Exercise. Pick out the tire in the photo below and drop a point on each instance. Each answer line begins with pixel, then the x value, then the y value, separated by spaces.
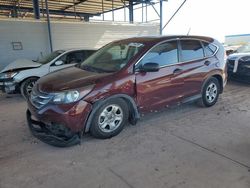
pixel 109 119
pixel 26 87
pixel 210 92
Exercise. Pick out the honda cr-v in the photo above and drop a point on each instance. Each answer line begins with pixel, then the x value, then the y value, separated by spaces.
pixel 122 80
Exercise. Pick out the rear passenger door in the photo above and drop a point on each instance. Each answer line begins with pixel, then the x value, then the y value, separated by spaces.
pixel 193 66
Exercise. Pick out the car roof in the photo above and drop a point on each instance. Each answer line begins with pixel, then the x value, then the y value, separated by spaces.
pixel 156 39
pixel 75 49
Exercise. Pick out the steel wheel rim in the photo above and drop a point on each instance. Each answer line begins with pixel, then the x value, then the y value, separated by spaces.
pixel 211 92
pixel 110 118
pixel 29 87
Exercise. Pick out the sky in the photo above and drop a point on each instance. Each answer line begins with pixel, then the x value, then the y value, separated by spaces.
pixel 215 18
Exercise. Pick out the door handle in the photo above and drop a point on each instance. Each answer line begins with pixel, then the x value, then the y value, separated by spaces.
pixel 177 71
pixel 207 63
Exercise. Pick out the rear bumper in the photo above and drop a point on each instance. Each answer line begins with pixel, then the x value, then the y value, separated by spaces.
pixel 40 131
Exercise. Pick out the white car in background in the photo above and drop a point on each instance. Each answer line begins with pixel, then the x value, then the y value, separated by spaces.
pixel 21 75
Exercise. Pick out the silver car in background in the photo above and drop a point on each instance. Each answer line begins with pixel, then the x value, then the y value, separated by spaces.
pixel 21 75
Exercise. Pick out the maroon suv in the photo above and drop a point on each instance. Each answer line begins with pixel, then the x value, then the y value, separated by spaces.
pixel 123 80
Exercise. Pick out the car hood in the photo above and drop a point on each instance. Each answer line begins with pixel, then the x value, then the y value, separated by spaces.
pixel 20 64
pixel 237 55
pixel 69 79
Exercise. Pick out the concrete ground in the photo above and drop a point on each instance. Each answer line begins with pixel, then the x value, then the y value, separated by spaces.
pixel 181 147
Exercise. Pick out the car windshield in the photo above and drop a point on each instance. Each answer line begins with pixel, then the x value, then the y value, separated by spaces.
pixel 50 57
pixel 112 57
pixel 244 49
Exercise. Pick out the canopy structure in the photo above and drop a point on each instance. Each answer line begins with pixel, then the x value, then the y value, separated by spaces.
pixel 83 9
pixel 62 8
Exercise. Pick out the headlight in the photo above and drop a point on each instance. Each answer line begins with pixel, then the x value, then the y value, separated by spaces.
pixel 66 97
pixel 8 75
pixel 71 96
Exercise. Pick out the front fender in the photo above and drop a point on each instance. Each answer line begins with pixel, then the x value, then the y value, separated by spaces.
pixel 134 113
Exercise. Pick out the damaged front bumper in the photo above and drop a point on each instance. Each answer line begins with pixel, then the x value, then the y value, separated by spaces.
pixel 8 86
pixel 240 71
pixel 61 138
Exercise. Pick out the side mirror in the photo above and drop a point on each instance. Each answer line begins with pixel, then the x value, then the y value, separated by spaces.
pixel 150 67
pixel 59 62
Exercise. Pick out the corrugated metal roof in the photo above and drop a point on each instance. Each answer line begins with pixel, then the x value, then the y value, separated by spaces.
pixel 61 7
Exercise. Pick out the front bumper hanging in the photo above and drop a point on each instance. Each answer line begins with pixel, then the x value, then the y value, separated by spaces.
pixel 9 87
pixel 41 132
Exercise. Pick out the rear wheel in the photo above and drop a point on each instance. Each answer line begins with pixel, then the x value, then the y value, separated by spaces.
pixel 210 92
pixel 109 119
pixel 26 87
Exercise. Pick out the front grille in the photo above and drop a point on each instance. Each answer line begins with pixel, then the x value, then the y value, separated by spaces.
pixel 6 79
pixel 39 99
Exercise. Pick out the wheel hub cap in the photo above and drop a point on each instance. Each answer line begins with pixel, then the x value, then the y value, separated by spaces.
pixel 110 118
pixel 211 92
pixel 29 87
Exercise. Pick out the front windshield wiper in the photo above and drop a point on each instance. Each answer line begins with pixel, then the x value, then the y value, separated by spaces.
pixel 89 68
pixel 94 69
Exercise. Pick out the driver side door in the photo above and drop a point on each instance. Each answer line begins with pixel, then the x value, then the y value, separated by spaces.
pixel 165 87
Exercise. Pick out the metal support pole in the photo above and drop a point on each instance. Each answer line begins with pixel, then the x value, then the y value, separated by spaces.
pixel 74 8
pixel 124 13
pixel 18 9
pixel 154 9
pixel 42 9
pixel 86 18
pixel 14 13
pixel 36 9
pixel 146 12
pixel 124 8
pixel 113 17
pixel 142 12
pixel 174 14
pixel 102 11
pixel 131 11
pixel 49 29
pixel 160 17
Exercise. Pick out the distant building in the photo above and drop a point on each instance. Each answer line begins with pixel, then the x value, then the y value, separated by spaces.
pixel 233 40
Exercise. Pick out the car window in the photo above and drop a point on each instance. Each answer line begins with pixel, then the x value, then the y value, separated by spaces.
pixel 112 57
pixel 118 52
pixel 163 54
pixel 72 57
pixel 77 57
pixel 50 57
pixel 209 48
pixel 88 53
pixel 191 50
pixel 62 58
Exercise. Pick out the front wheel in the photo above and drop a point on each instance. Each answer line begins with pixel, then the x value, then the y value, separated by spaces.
pixel 210 92
pixel 26 87
pixel 109 119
